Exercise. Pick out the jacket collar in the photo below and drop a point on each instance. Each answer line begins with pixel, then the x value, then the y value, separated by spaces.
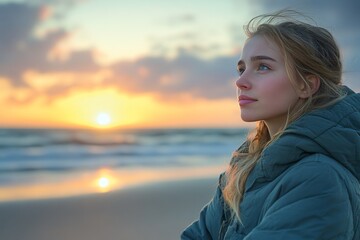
pixel 333 131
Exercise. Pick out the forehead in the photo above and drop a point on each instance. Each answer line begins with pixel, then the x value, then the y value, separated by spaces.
pixel 259 45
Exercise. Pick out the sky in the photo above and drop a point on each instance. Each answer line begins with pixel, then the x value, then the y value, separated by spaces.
pixel 137 63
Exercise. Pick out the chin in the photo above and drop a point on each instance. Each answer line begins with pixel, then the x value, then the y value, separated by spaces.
pixel 248 119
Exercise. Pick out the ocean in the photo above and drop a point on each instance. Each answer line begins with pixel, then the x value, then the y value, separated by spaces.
pixel 32 161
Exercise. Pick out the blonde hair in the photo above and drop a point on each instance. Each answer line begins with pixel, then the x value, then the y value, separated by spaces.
pixel 308 50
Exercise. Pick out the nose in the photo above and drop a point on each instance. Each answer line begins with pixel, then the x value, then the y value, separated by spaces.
pixel 242 83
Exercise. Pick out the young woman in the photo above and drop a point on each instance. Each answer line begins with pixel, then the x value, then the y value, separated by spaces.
pixel 297 176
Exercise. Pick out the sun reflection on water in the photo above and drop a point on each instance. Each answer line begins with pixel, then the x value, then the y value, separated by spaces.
pixel 100 181
pixel 105 180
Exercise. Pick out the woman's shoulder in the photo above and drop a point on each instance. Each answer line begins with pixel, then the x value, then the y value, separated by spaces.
pixel 319 170
pixel 321 162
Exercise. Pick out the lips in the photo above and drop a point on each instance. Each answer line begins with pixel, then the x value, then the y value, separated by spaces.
pixel 244 100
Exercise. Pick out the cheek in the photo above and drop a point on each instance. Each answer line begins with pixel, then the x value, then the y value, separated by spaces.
pixel 281 92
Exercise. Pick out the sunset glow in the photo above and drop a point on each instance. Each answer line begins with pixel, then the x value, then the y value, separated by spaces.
pixel 84 78
pixel 172 68
pixel 109 108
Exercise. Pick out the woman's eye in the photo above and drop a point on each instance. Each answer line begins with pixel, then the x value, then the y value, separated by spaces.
pixel 263 67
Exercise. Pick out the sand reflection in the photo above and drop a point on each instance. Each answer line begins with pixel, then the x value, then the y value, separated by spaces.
pixel 106 180
pixel 100 181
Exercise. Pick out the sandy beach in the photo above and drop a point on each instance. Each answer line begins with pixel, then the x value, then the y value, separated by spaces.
pixel 157 211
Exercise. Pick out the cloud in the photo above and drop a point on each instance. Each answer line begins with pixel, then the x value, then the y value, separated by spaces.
pixel 16 24
pixel 184 74
pixel 37 65
pixel 22 50
pixel 40 66
pixel 57 2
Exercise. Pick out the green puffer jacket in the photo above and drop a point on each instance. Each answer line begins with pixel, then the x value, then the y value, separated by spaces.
pixel 305 186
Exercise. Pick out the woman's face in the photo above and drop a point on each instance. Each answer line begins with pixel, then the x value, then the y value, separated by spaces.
pixel 264 89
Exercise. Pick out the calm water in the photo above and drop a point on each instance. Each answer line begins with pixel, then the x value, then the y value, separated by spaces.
pixel 31 156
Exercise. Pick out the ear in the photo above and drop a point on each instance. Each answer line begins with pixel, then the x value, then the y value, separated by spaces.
pixel 314 84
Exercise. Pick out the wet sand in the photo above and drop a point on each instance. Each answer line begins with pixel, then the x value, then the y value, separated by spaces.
pixel 157 211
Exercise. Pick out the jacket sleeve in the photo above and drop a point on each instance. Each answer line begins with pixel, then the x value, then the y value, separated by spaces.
pixel 312 203
pixel 207 227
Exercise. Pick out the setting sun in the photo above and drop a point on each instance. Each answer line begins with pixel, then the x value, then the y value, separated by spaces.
pixel 103 119
pixel 103 182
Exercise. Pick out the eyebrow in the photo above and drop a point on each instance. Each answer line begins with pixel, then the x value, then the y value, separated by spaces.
pixel 257 58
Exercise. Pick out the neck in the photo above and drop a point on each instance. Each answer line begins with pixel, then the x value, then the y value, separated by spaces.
pixel 275 126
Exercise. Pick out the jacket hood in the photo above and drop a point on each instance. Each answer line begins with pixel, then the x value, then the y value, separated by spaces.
pixel 333 131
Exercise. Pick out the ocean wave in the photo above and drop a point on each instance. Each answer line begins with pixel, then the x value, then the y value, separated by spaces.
pixel 42 138
pixel 45 138
pixel 35 169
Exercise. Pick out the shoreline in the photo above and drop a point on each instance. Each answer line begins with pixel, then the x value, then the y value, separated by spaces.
pixel 158 211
